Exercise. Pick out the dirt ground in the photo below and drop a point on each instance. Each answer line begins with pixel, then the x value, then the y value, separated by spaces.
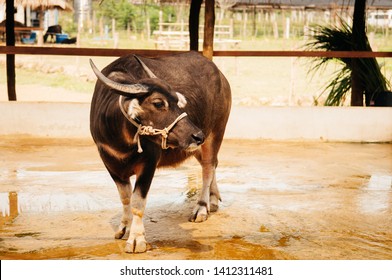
pixel 280 201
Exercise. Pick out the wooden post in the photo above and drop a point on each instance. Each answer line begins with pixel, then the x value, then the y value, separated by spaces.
pixel 160 21
pixel 275 27
pixel 194 14
pixel 254 25
pixel 287 28
pixel 113 27
pixel 209 25
pixel 101 33
pixel 231 28
pixel 148 26
pixel 28 16
pixel 182 27
pixel 116 38
pixel 10 34
pixel 245 23
pixel 358 42
pixel 93 23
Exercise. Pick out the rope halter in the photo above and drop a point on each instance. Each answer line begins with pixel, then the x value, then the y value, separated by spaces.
pixel 149 130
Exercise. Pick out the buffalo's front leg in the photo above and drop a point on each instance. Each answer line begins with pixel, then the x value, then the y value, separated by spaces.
pixel 125 192
pixel 136 242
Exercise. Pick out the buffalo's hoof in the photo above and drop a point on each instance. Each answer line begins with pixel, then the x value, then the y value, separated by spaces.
pixel 136 245
pixel 200 214
pixel 214 203
pixel 120 233
pixel 214 207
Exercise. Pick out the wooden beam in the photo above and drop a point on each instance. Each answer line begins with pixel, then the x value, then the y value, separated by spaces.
pixel 91 52
pixel 331 54
pixel 83 51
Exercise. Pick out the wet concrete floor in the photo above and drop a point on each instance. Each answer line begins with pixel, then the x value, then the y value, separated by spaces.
pixel 280 201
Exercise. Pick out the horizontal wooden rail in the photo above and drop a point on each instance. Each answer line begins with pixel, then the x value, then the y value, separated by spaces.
pixel 80 51
pixel 337 54
pixel 152 53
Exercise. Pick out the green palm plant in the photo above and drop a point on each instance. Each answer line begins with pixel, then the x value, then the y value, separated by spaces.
pixel 333 38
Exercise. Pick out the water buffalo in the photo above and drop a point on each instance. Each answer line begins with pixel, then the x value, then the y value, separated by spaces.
pixel 156 112
pixel 52 31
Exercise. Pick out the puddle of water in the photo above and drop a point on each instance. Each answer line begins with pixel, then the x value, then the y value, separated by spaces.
pixel 380 182
pixel 53 202
pixel 37 193
pixel 4 204
pixel 376 197
pixel 170 187
pixel 238 248
pixel 59 202
pixel 61 179
pixel 56 191
pixel 257 180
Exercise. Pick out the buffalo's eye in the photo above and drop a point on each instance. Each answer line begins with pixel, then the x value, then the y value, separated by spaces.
pixel 159 104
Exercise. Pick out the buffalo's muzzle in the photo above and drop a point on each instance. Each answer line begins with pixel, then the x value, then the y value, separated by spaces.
pixel 198 137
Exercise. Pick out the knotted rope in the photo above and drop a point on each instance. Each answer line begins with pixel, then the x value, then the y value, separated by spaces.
pixel 149 130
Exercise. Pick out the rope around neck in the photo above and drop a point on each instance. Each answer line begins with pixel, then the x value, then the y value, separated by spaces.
pixel 149 130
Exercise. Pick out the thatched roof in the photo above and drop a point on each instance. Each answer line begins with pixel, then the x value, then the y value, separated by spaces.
pixel 43 4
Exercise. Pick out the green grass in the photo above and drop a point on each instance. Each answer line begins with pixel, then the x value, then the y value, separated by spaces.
pixel 60 80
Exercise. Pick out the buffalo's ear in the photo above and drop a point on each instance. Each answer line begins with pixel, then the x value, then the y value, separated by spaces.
pixel 148 70
pixel 134 109
pixel 131 90
pixel 181 100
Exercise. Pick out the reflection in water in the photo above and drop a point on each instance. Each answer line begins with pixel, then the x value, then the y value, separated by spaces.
pixel 38 193
pixel 9 207
pixel 9 204
pixel 194 183
pixel 14 203
pixel 174 185
pixel 13 199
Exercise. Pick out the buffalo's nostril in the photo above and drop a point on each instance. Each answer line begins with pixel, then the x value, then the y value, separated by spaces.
pixel 198 137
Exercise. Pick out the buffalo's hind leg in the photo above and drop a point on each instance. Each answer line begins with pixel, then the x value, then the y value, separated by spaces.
pixel 210 197
pixel 214 195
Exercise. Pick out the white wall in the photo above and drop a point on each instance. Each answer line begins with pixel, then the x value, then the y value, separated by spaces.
pixel 347 124
pixel 351 124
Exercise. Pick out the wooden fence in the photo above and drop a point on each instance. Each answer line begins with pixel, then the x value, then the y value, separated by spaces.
pixel 152 53
pixel 18 50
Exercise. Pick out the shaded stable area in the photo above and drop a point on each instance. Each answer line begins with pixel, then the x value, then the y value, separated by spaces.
pixel 281 200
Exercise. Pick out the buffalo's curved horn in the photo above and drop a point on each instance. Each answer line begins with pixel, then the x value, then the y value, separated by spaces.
pixel 126 88
pixel 148 70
